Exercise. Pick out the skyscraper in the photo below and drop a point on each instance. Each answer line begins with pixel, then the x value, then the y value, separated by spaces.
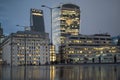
pixel 1 39
pixel 66 21
pixel 37 20
pixel 1 34
pixel 1 30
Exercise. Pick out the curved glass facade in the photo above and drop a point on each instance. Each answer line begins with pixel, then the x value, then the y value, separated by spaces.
pixel 66 21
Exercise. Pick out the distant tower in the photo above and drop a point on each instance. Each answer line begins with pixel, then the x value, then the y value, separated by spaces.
pixel 1 30
pixel 1 38
pixel 1 34
pixel 66 21
pixel 118 42
pixel 37 20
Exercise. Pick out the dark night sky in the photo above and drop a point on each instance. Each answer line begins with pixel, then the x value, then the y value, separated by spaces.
pixel 97 16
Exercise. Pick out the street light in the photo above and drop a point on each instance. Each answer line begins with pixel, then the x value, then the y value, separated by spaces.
pixel 25 28
pixel 51 17
pixel 51 43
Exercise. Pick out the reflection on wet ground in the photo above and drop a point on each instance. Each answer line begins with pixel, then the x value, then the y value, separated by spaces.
pixel 61 72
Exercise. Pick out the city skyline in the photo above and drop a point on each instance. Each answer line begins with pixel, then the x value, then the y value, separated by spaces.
pixel 96 16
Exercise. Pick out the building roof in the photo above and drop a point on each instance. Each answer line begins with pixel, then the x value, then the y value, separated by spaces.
pixel 70 6
pixel 28 34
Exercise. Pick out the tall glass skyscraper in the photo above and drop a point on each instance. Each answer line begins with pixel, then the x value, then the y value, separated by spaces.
pixel 37 20
pixel 1 30
pixel 66 21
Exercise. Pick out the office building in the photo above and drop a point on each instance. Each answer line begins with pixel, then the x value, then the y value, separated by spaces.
pixel 1 30
pixel 52 54
pixel 37 20
pixel 27 47
pixel 90 49
pixel 1 34
pixel 116 40
pixel 1 39
pixel 66 21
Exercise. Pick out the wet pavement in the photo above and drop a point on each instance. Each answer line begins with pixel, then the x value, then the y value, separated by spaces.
pixel 61 72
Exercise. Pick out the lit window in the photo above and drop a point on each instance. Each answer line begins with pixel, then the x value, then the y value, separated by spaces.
pixel 80 51
pixel 101 52
pixel 37 14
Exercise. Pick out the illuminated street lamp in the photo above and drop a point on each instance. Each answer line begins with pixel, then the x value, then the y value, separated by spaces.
pixel 25 28
pixel 52 48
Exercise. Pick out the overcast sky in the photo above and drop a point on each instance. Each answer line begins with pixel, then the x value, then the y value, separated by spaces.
pixel 97 16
